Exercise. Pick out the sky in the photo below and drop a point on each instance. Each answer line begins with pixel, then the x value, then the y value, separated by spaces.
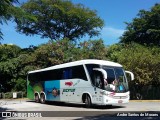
pixel 113 12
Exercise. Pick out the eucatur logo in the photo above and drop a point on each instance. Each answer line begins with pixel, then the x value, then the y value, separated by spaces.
pixel 69 83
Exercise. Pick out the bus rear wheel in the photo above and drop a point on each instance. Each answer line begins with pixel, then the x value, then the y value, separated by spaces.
pixel 36 98
pixel 42 99
pixel 88 101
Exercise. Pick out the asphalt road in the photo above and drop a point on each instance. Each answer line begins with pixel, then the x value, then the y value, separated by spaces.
pixel 56 110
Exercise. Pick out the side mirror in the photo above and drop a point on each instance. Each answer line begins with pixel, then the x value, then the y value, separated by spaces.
pixel 102 71
pixel 131 74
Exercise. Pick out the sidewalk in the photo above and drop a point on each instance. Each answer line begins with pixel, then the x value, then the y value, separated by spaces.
pixel 12 101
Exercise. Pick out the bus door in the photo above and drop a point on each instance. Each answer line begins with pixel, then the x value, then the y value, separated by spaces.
pixel 98 79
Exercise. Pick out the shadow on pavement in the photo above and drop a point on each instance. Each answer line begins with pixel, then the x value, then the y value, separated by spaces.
pixel 63 104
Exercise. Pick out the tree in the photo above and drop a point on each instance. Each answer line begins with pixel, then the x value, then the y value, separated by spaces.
pixel 92 49
pixel 14 65
pixel 59 19
pixel 143 61
pixel 9 10
pixel 8 64
pixel 8 52
pixel 145 28
pixel 62 51
pixel 5 11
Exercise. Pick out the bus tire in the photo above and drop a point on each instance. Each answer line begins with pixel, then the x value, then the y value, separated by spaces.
pixel 88 102
pixel 36 98
pixel 42 98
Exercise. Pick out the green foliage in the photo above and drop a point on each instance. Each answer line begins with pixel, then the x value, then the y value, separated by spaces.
pixel 9 51
pixel 59 19
pixel 144 62
pixel 92 49
pixel 64 50
pixel 5 12
pixel 5 5
pixel 13 65
pixel 20 85
pixel 145 28
pixel 113 51
pixel 10 11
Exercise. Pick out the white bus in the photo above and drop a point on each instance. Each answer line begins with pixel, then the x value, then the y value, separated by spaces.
pixel 85 81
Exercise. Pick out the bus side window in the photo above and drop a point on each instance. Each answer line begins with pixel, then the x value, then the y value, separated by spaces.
pixel 52 74
pixel 90 71
pixel 35 77
pixel 67 73
pixel 78 72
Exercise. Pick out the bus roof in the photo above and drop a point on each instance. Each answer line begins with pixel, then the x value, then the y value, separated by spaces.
pixel 80 62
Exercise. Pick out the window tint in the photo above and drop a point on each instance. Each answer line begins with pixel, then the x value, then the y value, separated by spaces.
pixel 74 72
pixel 53 74
pixel 90 70
pixel 78 72
pixel 58 74
pixel 67 73
pixel 90 67
pixel 120 75
pixel 110 75
pixel 35 76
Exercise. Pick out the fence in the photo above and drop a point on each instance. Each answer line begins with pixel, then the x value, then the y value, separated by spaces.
pixel 151 92
pixel 12 95
pixel 147 92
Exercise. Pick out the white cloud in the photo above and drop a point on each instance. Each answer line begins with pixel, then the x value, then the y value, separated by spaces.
pixel 111 35
pixel 112 32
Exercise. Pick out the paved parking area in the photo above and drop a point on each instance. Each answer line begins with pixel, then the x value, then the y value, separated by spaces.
pixel 57 110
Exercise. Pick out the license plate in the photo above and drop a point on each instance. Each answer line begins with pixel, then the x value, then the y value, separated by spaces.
pixel 120 101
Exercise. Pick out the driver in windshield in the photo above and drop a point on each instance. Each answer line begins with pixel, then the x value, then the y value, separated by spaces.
pixel 109 86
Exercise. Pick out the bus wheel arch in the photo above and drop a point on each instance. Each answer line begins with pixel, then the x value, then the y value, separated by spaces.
pixel 86 98
pixel 42 98
pixel 37 97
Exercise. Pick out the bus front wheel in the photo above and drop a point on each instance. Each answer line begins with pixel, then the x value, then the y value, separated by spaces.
pixel 42 99
pixel 88 101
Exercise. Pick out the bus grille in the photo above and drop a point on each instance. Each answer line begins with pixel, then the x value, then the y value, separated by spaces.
pixel 119 97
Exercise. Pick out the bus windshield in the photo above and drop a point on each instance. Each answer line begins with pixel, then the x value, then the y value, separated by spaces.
pixel 116 80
